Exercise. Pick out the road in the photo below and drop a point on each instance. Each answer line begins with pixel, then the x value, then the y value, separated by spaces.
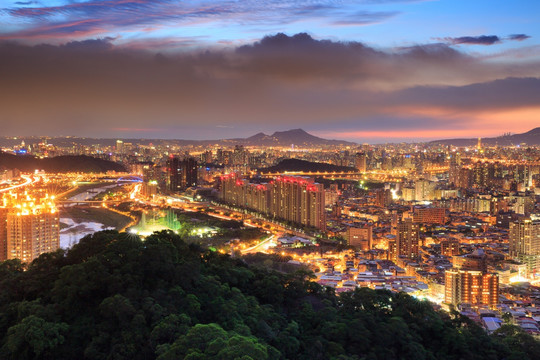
pixel 28 180
pixel 259 247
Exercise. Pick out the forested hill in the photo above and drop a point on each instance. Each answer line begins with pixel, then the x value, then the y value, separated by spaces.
pixel 59 164
pixel 113 296
pixel 305 166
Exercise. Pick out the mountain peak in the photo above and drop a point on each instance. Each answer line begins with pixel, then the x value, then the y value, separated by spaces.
pixel 297 137
pixel 295 132
pixel 259 135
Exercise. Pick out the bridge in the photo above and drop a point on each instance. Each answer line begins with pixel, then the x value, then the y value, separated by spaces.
pixel 88 202
pixel 369 175
pixel 507 162
pixel 130 179
pixel 356 175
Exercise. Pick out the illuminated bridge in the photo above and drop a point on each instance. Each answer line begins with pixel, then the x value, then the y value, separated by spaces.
pixel 357 175
pixel 129 179
pixel 88 202
pixel 369 175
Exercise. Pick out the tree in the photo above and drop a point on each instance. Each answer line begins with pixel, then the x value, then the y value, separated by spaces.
pixel 33 338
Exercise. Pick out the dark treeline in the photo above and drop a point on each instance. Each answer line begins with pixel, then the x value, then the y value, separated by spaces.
pixel 59 164
pixel 306 166
pixel 113 296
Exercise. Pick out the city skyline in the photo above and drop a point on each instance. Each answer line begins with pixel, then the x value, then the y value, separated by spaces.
pixel 270 179
pixel 362 71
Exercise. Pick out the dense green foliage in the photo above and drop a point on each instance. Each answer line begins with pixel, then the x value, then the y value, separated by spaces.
pixel 113 296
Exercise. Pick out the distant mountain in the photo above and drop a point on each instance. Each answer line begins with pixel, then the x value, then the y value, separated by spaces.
pixel 531 137
pixel 306 166
pixel 298 137
pixel 59 164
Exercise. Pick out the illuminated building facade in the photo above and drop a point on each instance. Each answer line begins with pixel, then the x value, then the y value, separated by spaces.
pixel 427 215
pixel 408 234
pixel 525 243
pixel 361 162
pixel 383 197
pixel 450 247
pixel 31 228
pixel 296 199
pixel 471 287
pixel 470 283
pixel 3 233
pixel 424 190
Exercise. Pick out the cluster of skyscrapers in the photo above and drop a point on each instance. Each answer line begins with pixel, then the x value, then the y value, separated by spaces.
pixel 296 199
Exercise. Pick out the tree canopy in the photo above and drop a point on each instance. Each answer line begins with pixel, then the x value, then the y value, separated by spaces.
pixel 114 296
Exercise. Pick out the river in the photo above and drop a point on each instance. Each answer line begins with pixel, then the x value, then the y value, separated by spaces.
pixel 76 229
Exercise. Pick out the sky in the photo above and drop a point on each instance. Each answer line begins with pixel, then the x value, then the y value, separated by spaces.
pixel 365 71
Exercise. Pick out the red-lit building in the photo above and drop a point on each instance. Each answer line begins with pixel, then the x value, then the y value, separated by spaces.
pixel 290 198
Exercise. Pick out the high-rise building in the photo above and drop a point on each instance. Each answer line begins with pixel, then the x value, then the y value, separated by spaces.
pixel 424 190
pixel 525 243
pixel 296 199
pixel 471 287
pixel 408 235
pixel 469 281
pixel 299 200
pixel 182 174
pixel 361 162
pixel 455 166
pixel 523 204
pixel 119 146
pixel 3 233
pixel 408 193
pixel 383 197
pixel 28 228
pixel 465 178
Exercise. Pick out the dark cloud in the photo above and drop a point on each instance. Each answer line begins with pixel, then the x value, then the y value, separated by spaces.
pixel 93 87
pixel 473 40
pixel 482 40
pixel 497 94
pixel 518 37
pixel 365 18
pixel 301 57
pixel 90 45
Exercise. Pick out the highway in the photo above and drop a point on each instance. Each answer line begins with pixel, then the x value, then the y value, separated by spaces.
pixel 28 180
